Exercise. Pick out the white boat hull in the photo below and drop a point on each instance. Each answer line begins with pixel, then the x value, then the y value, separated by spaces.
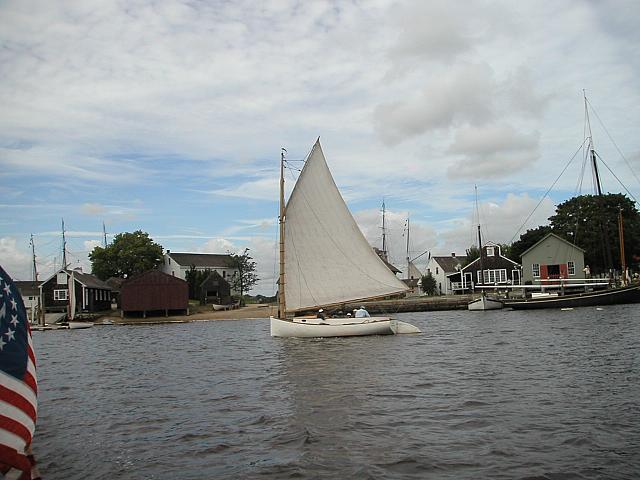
pixel 484 303
pixel 339 327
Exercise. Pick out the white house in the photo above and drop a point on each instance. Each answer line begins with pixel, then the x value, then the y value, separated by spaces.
pixel 178 264
pixel 440 267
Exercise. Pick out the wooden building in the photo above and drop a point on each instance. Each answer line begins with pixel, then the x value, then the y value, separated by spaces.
pixel 440 267
pixel 91 293
pixel 215 289
pixel 552 258
pixel 497 270
pixel 154 292
pixel 30 291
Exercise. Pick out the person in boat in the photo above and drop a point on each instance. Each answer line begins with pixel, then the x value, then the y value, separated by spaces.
pixel 362 312
pixel 321 314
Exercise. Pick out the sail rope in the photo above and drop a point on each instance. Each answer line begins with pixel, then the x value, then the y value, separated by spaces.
pixel 616 177
pixel 614 143
pixel 548 190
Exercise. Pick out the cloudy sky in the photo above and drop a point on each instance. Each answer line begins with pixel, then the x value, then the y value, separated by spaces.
pixel 169 116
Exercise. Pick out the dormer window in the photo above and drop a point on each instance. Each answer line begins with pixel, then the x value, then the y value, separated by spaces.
pixel 490 252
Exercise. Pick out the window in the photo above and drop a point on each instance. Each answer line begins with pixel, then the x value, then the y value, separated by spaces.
pixel 437 272
pixel 493 276
pixel 60 295
pixel 535 269
pixel 224 274
pixel 571 268
pixel 489 251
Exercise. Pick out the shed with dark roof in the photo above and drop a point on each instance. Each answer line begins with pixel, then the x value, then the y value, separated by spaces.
pixel 154 292
pixel 91 293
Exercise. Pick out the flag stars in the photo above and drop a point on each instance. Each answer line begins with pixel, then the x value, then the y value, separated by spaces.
pixel 2 344
pixel 14 304
pixel 7 289
pixel 10 334
pixel 14 320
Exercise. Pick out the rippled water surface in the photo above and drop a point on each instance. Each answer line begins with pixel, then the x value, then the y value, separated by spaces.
pixel 552 394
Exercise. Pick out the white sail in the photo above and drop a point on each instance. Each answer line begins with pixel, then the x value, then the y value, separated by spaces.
pixel 328 261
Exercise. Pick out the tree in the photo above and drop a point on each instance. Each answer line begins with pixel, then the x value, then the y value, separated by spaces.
pixel 128 254
pixel 590 222
pixel 194 279
pixel 246 278
pixel 429 284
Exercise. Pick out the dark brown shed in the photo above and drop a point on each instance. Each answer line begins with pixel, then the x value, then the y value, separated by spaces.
pixel 154 291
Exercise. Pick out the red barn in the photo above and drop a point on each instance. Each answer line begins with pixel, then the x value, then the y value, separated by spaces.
pixel 156 293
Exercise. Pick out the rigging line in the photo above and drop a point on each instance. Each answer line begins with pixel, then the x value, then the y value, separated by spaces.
pixel 547 192
pixel 613 141
pixel 614 176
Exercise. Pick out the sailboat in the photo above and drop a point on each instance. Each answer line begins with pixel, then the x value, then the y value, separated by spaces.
pixel 628 292
pixel 484 302
pixel 326 262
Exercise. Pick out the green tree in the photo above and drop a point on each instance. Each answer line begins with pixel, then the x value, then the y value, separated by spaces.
pixel 194 279
pixel 246 278
pixel 128 254
pixel 429 284
pixel 526 241
pixel 591 222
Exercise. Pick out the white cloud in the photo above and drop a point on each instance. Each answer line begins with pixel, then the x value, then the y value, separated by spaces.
pixel 492 151
pixel 16 261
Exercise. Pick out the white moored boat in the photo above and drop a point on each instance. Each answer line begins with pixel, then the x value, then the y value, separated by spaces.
pixel 325 261
pixel 485 303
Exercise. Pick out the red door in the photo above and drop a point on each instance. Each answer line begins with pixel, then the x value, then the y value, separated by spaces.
pixel 564 271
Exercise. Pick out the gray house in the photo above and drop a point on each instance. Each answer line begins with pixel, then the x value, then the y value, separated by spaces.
pixel 552 258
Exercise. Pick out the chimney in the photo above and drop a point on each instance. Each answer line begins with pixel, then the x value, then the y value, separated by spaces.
pixel 453 254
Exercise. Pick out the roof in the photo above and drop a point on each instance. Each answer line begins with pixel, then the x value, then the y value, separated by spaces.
pixel 151 277
pixel 89 280
pixel 211 260
pixel 382 256
pixel 86 279
pixel 411 282
pixel 547 236
pixel 449 263
pixel 28 288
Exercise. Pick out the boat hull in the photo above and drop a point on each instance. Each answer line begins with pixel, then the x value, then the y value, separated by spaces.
pixel 339 327
pixel 616 296
pixel 484 303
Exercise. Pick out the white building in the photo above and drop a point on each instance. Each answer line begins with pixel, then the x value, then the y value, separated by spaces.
pixel 178 264
pixel 440 267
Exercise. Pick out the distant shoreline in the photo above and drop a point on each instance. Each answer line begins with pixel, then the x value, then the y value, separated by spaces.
pixel 250 312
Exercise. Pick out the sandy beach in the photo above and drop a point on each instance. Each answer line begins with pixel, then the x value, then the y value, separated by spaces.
pixel 253 311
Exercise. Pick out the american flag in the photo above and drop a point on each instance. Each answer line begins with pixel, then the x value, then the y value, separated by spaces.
pixel 18 385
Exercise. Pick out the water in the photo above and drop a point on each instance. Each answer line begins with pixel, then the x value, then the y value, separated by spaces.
pixel 514 395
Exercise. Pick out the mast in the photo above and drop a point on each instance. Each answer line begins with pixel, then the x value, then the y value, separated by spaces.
pixel 480 241
pixel 384 235
pixel 604 238
pixel 64 248
pixel 408 258
pixel 104 234
pixel 34 273
pixel 623 261
pixel 282 304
